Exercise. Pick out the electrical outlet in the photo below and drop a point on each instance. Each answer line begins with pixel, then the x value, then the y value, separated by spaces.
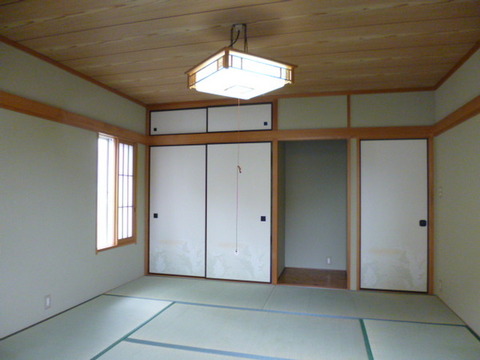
pixel 329 260
pixel 47 302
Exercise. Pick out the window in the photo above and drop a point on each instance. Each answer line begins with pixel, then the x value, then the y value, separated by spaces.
pixel 115 192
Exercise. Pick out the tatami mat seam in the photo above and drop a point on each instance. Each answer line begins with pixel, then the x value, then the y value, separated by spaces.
pixel 131 332
pixel 272 290
pixel 289 312
pixel 203 350
pixel 473 332
pixel 368 348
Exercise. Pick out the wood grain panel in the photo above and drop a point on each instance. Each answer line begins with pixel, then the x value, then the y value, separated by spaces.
pixel 142 48
pixel 151 78
pixel 156 59
pixel 52 17
pixel 143 36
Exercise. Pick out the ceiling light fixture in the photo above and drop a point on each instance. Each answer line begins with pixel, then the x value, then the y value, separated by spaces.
pixel 237 74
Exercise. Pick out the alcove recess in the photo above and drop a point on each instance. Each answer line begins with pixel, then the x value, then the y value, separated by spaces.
pixel 312 239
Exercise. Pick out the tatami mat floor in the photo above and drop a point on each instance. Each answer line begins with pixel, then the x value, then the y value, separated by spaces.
pixel 176 318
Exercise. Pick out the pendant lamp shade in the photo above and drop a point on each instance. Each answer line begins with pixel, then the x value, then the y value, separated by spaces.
pixel 240 75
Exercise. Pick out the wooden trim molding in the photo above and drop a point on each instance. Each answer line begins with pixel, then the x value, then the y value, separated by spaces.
pixel 431 216
pixel 272 98
pixel 48 112
pixel 206 103
pixel 460 115
pixel 275 115
pixel 294 135
pixel 274 213
pixel 394 132
pixel 457 66
pixel 66 68
pixel 147 213
pixel 359 217
pixel 349 214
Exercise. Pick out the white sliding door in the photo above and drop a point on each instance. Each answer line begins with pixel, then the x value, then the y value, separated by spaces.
pixel 239 211
pixel 177 210
pixel 394 210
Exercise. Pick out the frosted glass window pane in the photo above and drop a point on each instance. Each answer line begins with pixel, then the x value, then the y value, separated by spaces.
pixel 115 187
pixel 105 192
pixel 125 191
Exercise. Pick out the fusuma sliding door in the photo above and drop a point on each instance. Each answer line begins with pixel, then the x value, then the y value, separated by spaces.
pixel 210 211
pixel 394 213
pixel 239 211
pixel 177 210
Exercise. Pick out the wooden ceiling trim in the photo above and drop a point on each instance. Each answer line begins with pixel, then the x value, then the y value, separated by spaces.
pixel 462 61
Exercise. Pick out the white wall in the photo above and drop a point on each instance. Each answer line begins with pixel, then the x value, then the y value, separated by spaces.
pixel 460 88
pixel 316 204
pixel 48 196
pixel 457 198
pixel 25 75
pixel 312 112
pixel 393 109
pixel 457 220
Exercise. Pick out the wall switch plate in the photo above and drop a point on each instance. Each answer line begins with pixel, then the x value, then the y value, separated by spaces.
pixel 48 302
pixel 329 260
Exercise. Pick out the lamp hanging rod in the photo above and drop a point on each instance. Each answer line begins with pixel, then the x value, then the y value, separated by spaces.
pixel 235 32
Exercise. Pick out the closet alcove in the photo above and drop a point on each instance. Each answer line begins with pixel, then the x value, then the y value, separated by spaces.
pixel 312 241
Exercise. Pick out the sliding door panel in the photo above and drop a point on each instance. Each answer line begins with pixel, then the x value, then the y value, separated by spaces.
pixel 177 210
pixel 239 211
pixel 394 210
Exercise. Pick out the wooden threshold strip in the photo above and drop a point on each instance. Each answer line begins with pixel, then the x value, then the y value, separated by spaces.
pixel 48 112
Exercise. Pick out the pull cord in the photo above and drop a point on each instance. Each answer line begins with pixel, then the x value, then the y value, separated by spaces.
pixel 238 172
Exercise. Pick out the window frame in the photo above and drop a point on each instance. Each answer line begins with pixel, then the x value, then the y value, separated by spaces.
pixel 117 141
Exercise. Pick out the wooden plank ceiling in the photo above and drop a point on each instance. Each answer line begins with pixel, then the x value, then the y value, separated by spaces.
pixel 142 48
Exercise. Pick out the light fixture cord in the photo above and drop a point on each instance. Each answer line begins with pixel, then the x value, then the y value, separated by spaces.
pixel 235 32
pixel 245 38
pixel 238 171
